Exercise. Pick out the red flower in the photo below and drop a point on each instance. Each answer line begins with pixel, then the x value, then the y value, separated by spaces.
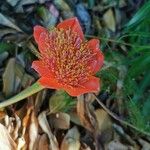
pixel 67 61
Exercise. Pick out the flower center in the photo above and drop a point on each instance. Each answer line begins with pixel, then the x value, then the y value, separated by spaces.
pixel 67 57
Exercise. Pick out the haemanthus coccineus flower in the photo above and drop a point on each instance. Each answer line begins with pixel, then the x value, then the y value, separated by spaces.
pixel 66 60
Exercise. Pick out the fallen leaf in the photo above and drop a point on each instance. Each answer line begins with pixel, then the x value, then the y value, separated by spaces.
pixel 109 20
pixel 17 127
pixel 145 144
pixel 2 115
pixel 20 143
pixel 23 76
pixel 40 96
pixel 5 21
pixel 104 131
pixel 60 120
pixel 6 142
pixel 9 78
pixel 33 131
pixel 74 117
pixel 103 119
pixel 116 145
pixel 46 128
pixel 3 56
pixel 72 140
pixel 84 17
pixel 64 8
pixel 85 113
pixel 48 19
pixel 43 142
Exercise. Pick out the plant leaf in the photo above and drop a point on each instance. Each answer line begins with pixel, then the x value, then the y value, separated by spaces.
pixel 143 13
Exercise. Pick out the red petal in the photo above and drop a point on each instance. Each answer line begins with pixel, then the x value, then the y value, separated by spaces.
pixel 43 41
pixel 37 32
pixel 49 83
pixel 73 24
pixel 42 69
pixel 99 59
pixel 90 86
pixel 94 45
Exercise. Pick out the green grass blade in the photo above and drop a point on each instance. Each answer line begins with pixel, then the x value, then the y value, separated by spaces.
pixel 142 14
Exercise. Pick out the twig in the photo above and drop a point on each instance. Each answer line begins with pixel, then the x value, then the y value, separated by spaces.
pixel 115 41
pixel 118 119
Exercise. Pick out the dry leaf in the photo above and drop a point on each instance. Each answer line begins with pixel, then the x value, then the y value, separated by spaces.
pixel 5 21
pixel 17 127
pixel 64 8
pixel 9 78
pixel 104 121
pixel 39 100
pixel 6 142
pixel 72 140
pixel 85 113
pixel 74 117
pixel 85 147
pixel 20 143
pixel 33 131
pixel 46 128
pixel 145 144
pixel 9 123
pixel 2 115
pixel 25 133
pixel 43 143
pixel 116 145
pixel 26 120
pixel 60 120
pixel 109 20
pixel 104 131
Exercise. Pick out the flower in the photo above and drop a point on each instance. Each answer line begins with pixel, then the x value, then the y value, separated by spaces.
pixel 66 60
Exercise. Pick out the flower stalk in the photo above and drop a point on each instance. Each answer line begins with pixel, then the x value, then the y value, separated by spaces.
pixel 36 87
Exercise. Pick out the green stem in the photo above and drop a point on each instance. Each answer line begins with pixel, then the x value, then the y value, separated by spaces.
pixel 115 41
pixel 36 87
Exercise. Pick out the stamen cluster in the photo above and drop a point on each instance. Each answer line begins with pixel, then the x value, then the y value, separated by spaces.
pixel 67 57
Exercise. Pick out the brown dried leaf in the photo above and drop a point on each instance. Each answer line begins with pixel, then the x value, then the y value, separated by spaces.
pixel 109 20
pixel 60 120
pixel 72 140
pixel 104 131
pixel 9 123
pixel 74 118
pixel 46 128
pixel 39 100
pixel 33 131
pixel 43 142
pixel 26 119
pixel 6 142
pixel 85 147
pixel 17 127
pixel 2 114
pixel 85 113
pixel 21 143
pixel 24 140
pixel 104 121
